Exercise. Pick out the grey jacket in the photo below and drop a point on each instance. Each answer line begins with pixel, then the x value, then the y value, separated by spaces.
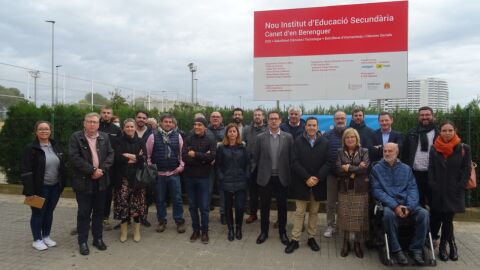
pixel 81 161
pixel 263 159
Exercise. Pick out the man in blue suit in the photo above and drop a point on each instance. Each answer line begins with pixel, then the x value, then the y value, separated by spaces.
pixel 385 134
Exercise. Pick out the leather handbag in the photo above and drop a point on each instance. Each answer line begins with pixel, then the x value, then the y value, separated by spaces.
pixel 472 181
pixel 146 175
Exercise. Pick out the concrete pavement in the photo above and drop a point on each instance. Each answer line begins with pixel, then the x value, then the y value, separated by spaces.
pixel 170 250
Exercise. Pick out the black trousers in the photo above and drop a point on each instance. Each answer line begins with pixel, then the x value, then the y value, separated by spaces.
pixel 236 199
pixel 445 221
pixel 90 208
pixel 275 188
pixel 422 183
pixel 108 201
pixel 253 194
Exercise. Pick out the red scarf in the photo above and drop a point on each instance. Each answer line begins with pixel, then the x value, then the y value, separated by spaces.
pixel 446 148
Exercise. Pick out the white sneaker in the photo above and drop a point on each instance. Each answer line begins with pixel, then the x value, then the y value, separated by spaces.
pixel 49 242
pixel 329 232
pixel 39 245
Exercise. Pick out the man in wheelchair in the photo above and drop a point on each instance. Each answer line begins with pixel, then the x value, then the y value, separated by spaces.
pixel 394 186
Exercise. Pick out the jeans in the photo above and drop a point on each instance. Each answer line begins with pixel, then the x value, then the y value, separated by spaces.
pixel 238 198
pixel 213 180
pixel 391 220
pixel 41 220
pixel 198 201
pixel 90 207
pixel 332 199
pixel 173 185
pixel 280 192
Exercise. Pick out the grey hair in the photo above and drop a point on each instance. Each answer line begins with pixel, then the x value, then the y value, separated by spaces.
pixel 92 114
pixel 129 120
pixel 295 109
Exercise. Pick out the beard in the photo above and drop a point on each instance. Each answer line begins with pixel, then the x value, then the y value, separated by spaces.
pixel 237 120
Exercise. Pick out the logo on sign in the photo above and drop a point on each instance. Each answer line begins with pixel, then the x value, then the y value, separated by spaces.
pixel 386 85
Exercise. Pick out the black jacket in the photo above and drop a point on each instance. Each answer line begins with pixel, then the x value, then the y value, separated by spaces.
pixel 376 153
pixel 114 132
pixel 33 168
pixel 201 164
pixel 121 167
pixel 310 161
pixel 81 161
pixel 410 144
pixel 447 179
pixel 232 167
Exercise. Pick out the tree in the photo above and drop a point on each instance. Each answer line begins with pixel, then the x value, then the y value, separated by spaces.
pixel 9 96
pixel 98 100
pixel 117 101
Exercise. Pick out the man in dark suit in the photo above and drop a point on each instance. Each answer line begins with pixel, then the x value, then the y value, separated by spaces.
pixel 272 158
pixel 384 135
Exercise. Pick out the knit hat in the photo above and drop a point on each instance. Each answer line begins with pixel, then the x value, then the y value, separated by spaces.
pixel 201 120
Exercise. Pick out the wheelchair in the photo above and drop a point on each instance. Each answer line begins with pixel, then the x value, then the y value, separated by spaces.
pixel 406 231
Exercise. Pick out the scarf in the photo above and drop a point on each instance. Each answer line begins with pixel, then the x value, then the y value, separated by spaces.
pixel 166 141
pixel 446 148
pixel 422 132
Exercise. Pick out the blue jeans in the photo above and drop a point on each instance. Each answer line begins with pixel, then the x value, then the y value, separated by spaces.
pixel 173 185
pixel 213 179
pixel 41 220
pixel 198 200
pixel 390 221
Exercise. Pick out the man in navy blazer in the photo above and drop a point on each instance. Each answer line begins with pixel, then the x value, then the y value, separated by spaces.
pixel 385 134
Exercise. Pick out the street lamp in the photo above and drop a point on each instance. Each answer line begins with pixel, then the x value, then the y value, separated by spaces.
pixel 56 83
pixel 193 69
pixel 53 56
pixel 196 90
pixel 35 74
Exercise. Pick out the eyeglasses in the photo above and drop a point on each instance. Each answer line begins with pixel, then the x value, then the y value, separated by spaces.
pixel 92 122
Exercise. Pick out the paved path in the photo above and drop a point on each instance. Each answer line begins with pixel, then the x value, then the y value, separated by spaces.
pixel 169 250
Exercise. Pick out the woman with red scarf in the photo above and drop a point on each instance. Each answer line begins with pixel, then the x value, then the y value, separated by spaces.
pixel 448 172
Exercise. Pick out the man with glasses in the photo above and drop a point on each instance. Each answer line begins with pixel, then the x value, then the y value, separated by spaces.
pixel 91 155
pixel 334 137
pixel 272 159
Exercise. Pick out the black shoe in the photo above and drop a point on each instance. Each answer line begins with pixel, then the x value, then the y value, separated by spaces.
pixel 262 237
pixel 238 232
pixel 83 248
pixel 284 239
pixel 453 250
pixel 231 233
pixel 400 258
pixel 442 251
pixel 291 247
pixel 99 244
pixel 144 222
pixel 313 244
pixel 223 220
pixel 418 259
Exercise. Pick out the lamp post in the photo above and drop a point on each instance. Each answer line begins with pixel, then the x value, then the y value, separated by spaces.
pixel 53 56
pixel 56 83
pixel 35 74
pixel 196 90
pixel 193 69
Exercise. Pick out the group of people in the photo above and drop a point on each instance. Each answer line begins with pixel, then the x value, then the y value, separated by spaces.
pixel 349 167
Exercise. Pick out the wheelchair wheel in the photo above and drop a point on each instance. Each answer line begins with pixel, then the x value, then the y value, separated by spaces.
pixel 383 254
pixel 427 255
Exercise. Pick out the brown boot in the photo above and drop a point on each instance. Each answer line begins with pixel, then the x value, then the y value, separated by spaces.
pixel 123 232
pixel 136 232
pixel 345 248
pixel 358 249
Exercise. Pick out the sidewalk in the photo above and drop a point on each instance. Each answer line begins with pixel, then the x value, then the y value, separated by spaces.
pixel 170 250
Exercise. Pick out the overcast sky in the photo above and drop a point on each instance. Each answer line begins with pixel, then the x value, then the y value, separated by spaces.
pixel 147 44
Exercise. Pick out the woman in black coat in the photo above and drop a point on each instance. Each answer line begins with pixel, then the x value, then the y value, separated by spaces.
pixel 232 171
pixel 44 175
pixel 309 184
pixel 448 172
pixel 129 197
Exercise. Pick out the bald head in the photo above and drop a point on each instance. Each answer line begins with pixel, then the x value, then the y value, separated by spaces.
pixel 390 152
